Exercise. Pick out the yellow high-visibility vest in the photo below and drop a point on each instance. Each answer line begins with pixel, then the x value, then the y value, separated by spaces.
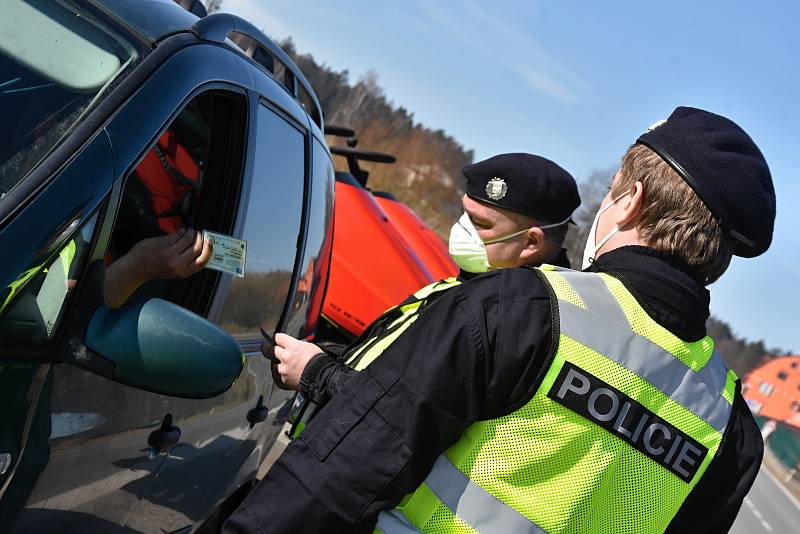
pixel 623 425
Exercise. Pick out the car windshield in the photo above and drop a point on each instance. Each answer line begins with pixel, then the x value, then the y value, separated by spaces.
pixel 54 61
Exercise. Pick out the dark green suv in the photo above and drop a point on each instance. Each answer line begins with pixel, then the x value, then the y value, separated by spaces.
pixel 127 128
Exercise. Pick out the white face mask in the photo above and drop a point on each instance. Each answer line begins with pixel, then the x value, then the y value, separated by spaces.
pixel 591 248
pixel 467 248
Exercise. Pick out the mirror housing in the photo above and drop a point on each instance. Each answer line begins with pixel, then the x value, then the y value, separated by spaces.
pixel 158 346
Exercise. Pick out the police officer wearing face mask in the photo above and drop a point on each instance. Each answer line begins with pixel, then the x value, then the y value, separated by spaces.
pixel 550 400
pixel 516 211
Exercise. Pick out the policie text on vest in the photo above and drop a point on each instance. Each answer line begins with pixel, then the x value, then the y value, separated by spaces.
pixel 608 407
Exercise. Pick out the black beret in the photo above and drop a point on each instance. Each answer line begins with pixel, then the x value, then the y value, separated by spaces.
pixel 725 168
pixel 524 183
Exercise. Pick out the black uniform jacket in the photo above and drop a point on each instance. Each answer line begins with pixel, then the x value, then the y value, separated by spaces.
pixel 478 352
pixel 327 373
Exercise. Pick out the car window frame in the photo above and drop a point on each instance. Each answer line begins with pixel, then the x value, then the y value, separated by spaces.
pixel 121 178
pixel 68 345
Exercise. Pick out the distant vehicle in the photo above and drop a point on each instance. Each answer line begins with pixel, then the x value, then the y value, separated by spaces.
pixel 121 123
pixel 384 251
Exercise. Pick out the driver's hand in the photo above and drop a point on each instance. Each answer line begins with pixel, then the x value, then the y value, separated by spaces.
pixel 292 356
pixel 173 256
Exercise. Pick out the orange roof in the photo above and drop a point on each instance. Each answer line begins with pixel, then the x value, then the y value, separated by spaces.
pixel 773 390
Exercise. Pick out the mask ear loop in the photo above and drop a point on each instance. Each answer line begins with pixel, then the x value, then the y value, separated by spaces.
pixel 543 227
pixel 546 226
pixel 509 236
pixel 613 232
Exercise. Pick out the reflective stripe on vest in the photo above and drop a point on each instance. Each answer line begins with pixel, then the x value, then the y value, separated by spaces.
pixel 474 505
pixel 365 352
pixel 395 522
pixel 623 425
pixel 480 509
pixel 696 389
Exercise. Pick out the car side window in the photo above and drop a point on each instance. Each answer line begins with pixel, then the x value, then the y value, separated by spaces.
pixel 272 228
pixel 188 181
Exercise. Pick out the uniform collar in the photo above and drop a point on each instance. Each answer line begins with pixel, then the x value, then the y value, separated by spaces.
pixel 669 290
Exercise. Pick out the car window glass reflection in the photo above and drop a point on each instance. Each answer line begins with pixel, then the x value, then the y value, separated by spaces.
pixel 307 299
pixel 31 307
pixel 272 227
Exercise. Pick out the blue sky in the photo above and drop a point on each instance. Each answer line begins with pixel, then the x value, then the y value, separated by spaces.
pixel 577 82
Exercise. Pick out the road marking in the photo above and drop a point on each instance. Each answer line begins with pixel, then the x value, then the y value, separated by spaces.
pixel 781 487
pixel 758 515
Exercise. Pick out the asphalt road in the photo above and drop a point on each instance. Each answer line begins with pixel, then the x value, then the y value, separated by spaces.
pixel 768 508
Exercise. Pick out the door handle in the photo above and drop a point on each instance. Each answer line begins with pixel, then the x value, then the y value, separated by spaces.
pixel 258 414
pixel 166 436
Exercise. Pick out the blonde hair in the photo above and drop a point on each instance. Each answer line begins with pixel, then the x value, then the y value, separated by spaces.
pixel 674 220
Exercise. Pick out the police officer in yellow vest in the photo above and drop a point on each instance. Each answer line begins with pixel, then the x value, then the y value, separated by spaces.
pixel 549 400
pixel 516 211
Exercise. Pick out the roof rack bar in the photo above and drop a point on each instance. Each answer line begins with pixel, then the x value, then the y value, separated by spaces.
pixel 218 26
pixel 339 131
pixel 363 155
pixel 353 156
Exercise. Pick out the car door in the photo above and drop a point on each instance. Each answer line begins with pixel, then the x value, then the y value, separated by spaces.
pixel 191 177
pixel 224 439
pixel 222 442
pixel 286 221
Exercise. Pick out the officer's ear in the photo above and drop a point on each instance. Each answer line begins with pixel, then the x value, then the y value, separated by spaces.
pixel 631 207
pixel 536 240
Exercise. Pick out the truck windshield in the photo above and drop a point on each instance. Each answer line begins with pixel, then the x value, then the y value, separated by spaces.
pixel 54 62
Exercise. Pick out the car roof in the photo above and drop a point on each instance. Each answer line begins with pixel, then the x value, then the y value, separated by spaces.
pixel 151 19
pixel 155 20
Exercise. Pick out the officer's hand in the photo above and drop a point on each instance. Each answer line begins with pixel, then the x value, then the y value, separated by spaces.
pixel 173 256
pixel 293 356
